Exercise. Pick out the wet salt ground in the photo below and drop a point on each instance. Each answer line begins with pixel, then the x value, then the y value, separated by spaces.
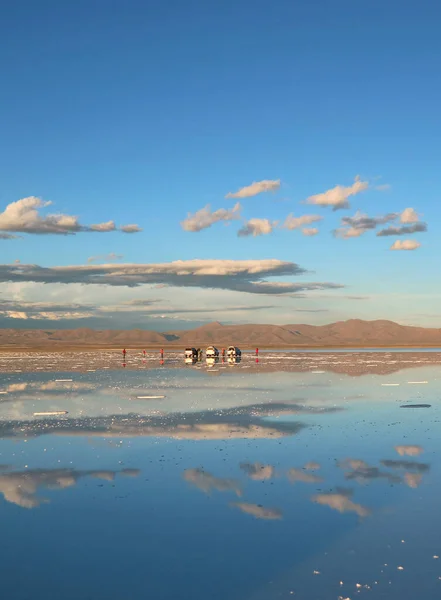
pixel 346 362
pixel 243 485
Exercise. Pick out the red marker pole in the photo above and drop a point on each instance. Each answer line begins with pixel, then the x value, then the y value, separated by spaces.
pixel 257 351
pixel 162 353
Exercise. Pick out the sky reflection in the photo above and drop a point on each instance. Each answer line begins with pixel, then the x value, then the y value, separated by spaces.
pixel 264 483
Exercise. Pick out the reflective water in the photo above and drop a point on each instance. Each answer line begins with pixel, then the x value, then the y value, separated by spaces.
pixel 238 483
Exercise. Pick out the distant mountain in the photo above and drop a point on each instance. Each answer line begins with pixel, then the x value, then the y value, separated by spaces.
pixel 354 332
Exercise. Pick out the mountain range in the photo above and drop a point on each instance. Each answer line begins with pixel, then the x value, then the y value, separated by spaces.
pixel 351 333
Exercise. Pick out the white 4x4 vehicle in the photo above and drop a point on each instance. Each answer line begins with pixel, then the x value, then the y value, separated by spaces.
pixel 211 352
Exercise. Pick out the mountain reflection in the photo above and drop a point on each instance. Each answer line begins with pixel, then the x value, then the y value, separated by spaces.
pixel 238 422
pixel 21 487
pixel 207 482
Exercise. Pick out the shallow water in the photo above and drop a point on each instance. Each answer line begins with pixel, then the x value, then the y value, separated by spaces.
pixel 239 483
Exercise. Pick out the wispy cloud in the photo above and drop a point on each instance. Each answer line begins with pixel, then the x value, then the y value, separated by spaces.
pixel 403 230
pixel 310 231
pixel 338 196
pixel 130 228
pixel 405 245
pixel 204 218
pixel 257 187
pixel 8 236
pixel 237 275
pixel 111 257
pixel 292 222
pixel 256 227
pixel 360 223
pixel 23 216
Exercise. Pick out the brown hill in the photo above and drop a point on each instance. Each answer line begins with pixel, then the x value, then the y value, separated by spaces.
pixel 354 332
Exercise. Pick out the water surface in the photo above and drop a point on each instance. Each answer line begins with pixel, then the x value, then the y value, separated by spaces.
pixel 239 483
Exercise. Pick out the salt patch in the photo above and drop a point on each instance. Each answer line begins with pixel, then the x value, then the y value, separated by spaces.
pixel 50 413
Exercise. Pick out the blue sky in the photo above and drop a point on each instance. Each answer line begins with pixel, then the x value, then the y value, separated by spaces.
pixel 143 112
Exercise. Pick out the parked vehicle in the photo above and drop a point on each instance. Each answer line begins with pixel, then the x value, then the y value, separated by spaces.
pixel 211 352
pixel 191 353
pixel 234 351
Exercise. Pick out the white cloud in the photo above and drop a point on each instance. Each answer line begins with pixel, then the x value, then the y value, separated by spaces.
pixel 257 187
pixel 109 226
pixel 256 227
pixel 409 215
pixel 105 257
pixel 292 222
pixel 310 231
pixel 405 245
pixel 23 216
pixel 204 218
pixel 337 197
pixel 130 228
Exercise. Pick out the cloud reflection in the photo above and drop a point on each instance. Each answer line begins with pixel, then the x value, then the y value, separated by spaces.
pixel 295 475
pixel 341 501
pixel 361 472
pixel 238 422
pixel 409 450
pixel 21 487
pixel 406 464
pixel 257 471
pixel 258 511
pixel 206 482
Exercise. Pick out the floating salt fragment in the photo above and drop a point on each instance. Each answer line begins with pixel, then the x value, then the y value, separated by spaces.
pixel 435 556
pixel 50 413
pixel 1 392
pixel 400 568
pixel 318 372
pixel 149 397
pixel 316 572
pixel 389 384
pixel 61 380
pixel 414 382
